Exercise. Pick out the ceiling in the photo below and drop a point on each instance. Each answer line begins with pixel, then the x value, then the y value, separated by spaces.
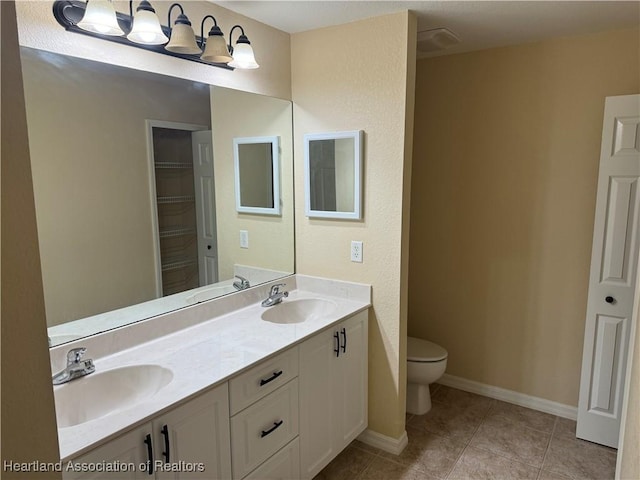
pixel 478 24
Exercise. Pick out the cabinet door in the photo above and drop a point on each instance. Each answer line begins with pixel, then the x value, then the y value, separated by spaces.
pixel 195 433
pixel 316 406
pixel 333 392
pixel 351 381
pixel 127 452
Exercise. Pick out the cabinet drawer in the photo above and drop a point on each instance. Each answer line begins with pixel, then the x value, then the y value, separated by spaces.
pixel 284 465
pixel 263 379
pixel 262 429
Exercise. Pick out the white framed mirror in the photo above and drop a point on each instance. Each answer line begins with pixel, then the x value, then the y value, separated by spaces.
pixel 257 174
pixel 333 175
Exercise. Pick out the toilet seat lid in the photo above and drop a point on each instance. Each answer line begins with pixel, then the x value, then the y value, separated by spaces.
pixel 419 350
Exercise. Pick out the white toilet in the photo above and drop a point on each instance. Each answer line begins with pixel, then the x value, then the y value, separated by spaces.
pixel 426 363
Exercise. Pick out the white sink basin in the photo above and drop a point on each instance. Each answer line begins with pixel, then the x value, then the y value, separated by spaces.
pixel 101 393
pixel 297 311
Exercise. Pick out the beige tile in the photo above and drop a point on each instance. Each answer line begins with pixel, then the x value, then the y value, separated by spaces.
pixel 565 428
pixel 546 475
pixel 522 416
pixel 479 464
pixel 580 460
pixel 381 469
pixel 458 419
pixel 366 448
pixel 453 396
pixel 503 437
pixel 434 454
pixel 346 466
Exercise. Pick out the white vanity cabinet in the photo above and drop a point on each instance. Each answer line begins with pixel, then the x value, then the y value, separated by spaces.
pixel 194 433
pixel 333 392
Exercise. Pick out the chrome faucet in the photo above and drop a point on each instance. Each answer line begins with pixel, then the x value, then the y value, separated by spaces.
pixel 76 367
pixel 275 295
pixel 243 284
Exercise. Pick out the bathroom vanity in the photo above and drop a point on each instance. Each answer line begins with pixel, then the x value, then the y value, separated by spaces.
pixel 231 389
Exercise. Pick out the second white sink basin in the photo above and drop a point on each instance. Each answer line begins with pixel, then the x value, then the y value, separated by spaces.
pixel 101 393
pixel 296 311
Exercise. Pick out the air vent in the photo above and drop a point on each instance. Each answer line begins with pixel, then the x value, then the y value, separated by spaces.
pixel 436 39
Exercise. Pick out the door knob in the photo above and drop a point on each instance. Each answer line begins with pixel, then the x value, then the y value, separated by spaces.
pixel 610 299
pixel 208 247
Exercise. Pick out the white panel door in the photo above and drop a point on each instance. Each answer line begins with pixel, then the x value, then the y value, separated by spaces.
pixel 205 206
pixel 613 274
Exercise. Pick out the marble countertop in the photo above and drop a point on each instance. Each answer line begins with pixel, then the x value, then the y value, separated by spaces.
pixel 209 353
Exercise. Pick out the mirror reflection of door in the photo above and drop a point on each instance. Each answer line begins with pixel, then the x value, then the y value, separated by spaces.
pixel 332 174
pixel 186 232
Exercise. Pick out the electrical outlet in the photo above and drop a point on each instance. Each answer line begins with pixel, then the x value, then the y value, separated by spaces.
pixel 356 251
pixel 244 239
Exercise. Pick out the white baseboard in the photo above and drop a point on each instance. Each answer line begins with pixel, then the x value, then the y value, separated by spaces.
pixel 535 403
pixel 388 444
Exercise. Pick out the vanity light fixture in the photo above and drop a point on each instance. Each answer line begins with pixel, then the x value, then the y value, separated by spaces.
pixel 146 27
pixel 183 39
pixel 99 19
pixel 216 47
pixel 243 53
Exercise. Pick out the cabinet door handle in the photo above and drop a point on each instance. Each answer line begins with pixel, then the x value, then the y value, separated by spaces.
pixel 337 349
pixel 344 340
pixel 166 453
pixel 264 433
pixel 271 378
pixel 147 441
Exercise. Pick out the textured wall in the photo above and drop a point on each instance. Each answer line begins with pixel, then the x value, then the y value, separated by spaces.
pixel 504 184
pixel 358 76
pixel 28 419
pixel 39 29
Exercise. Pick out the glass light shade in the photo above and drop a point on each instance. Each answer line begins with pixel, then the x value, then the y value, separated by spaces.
pixel 146 29
pixel 100 17
pixel 216 50
pixel 183 40
pixel 243 57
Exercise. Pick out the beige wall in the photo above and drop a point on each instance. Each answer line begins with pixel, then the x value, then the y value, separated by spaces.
pixel 91 177
pixel 271 238
pixel 28 420
pixel 357 77
pixel 39 29
pixel 504 183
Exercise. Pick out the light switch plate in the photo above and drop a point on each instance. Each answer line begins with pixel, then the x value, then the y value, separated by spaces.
pixel 244 239
pixel 356 251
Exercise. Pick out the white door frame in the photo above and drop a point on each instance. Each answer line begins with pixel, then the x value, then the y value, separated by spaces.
pixel 150 124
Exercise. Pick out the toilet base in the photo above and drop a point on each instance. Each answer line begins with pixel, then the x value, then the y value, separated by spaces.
pixel 418 399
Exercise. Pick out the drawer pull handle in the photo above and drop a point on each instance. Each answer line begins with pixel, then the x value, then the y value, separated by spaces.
pixel 272 429
pixel 337 349
pixel 344 340
pixel 147 441
pixel 166 453
pixel 271 378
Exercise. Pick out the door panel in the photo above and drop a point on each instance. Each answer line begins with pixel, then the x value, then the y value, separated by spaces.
pixel 205 207
pixel 612 281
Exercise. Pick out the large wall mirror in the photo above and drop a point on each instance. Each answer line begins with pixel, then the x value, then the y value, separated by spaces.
pixel 333 175
pixel 134 187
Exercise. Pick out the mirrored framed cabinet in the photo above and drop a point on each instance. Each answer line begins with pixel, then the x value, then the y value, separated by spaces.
pixel 333 175
pixel 257 174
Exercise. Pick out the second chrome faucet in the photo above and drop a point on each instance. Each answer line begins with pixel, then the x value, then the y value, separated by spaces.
pixel 275 295
pixel 76 367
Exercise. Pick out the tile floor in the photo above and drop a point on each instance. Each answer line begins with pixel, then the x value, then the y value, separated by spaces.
pixel 467 436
